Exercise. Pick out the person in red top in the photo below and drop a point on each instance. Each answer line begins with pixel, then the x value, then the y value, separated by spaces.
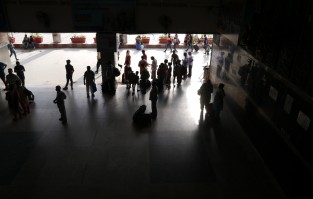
pixel 127 58
pixel 142 64
pixel 144 54
pixel 169 43
pixel 127 71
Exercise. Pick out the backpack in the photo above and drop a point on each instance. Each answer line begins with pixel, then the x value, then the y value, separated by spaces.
pixel 116 72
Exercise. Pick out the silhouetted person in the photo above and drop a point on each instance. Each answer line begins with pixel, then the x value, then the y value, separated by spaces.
pixel 134 80
pixel 2 73
pixel 13 99
pixel 69 74
pixel 89 80
pixel 59 100
pixel 244 72
pixel 11 78
pixel 205 92
pixel 220 63
pixel 19 69
pixel 218 103
pixel 154 98
pixel 140 117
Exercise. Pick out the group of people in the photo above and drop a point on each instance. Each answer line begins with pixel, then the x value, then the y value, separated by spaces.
pixel 17 94
pixel 224 64
pixel 164 74
pixel 28 42
pixel 212 109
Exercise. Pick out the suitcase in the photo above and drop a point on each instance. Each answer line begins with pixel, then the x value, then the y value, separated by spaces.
pixel 196 47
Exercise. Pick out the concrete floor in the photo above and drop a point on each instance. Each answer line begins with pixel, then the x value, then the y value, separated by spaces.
pixel 101 154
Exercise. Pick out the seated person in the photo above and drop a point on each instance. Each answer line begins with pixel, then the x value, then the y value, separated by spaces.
pixel 25 41
pixel 31 42
pixel 140 117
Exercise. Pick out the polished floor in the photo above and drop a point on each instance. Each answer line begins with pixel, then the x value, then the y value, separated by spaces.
pixel 101 154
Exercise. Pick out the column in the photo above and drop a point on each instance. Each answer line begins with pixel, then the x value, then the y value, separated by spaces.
pixel 107 46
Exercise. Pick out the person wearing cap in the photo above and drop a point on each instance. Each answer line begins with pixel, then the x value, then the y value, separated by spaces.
pixel 59 100
pixel 19 70
pixel 69 74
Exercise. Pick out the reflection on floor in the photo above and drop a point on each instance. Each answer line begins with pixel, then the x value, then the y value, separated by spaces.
pixel 101 154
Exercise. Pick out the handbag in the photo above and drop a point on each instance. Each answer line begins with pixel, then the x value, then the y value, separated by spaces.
pixel 93 87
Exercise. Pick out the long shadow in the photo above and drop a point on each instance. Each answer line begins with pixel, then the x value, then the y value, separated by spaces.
pixel 34 57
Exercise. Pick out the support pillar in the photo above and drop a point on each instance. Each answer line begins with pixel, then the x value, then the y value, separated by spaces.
pixel 107 47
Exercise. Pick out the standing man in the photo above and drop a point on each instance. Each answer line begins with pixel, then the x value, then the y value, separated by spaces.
pixel 69 74
pixel 59 100
pixel 190 64
pixel 219 101
pixel 153 98
pixel 19 69
pixel 205 92
pixel 144 55
pixel 154 66
pixel 89 80
pixel 12 50
pixel 11 78
pixel 2 73
pixel 142 64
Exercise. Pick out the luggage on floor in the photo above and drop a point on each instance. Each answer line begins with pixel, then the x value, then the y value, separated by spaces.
pixel 196 47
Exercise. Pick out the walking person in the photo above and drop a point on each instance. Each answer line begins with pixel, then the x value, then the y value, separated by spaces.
pixel 69 74
pixel 169 43
pixel 175 42
pixel 19 70
pixel 12 50
pixel 2 72
pixel 153 98
pixel 59 100
pixel 99 62
pixel 205 92
pixel 219 101
pixel 189 43
pixel 89 81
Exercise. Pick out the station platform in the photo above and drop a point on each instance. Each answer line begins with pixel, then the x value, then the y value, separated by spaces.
pixel 101 154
